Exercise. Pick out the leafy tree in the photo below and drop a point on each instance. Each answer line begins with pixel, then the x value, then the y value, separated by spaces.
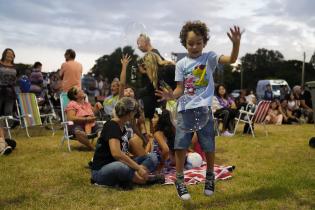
pixel 231 79
pixel 22 68
pixel 264 64
pixel 109 65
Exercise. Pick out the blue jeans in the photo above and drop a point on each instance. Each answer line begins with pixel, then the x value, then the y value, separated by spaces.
pixel 206 135
pixel 118 173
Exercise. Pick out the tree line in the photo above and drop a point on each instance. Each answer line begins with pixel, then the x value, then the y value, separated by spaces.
pixel 263 64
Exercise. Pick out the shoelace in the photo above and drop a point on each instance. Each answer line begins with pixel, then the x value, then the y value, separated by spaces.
pixel 209 184
pixel 182 188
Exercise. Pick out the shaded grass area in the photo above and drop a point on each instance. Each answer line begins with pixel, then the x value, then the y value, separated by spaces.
pixel 274 172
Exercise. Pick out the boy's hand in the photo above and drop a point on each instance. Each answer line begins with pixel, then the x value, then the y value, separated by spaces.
pixel 235 35
pixel 164 94
pixel 125 60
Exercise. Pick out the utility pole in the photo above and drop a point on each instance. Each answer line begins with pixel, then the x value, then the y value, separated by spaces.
pixel 303 69
pixel 241 77
pixel 237 66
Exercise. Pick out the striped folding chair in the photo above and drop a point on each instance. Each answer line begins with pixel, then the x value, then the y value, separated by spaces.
pixel 29 114
pixel 255 115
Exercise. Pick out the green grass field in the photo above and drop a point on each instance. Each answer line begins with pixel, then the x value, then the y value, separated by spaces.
pixel 274 172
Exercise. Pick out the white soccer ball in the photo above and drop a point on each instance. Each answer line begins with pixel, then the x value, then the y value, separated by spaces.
pixel 193 160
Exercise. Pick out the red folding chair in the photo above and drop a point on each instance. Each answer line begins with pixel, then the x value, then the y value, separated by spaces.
pixel 256 116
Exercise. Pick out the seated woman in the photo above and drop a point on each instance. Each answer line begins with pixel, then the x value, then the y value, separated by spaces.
pixel 228 111
pixel 111 165
pixel 82 114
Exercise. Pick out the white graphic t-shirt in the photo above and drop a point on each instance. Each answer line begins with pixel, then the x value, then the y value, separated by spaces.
pixel 196 73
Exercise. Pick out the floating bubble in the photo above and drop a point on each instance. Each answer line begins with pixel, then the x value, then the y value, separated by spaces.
pixel 192 120
pixel 131 33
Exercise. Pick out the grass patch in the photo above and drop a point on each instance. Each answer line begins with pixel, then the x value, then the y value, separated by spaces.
pixel 274 172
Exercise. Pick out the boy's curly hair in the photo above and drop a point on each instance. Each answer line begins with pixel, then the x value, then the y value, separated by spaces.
pixel 198 28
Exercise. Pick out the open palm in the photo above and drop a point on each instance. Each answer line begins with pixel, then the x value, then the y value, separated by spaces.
pixel 235 34
pixel 125 59
pixel 164 94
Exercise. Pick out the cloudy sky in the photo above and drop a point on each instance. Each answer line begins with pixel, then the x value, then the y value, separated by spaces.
pixel 42 30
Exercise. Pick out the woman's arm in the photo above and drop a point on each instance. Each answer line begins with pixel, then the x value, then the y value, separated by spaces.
pixel 290 115
pixel 161 139
pixel 137 130
pixel 98 106
pixel 141 123
pixel 304 106
pixel 283 113
pixel 122 84
pixel 71 115
pixel 148 148
pixel 232 103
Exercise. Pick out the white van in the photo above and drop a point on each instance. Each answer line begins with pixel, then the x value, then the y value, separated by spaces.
pixel 275 86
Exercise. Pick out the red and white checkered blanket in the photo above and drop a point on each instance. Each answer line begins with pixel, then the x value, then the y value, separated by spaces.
pixel 196 175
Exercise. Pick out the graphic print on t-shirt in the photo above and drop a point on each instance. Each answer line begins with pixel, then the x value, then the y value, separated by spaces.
pixel 125 139
pixel 195 79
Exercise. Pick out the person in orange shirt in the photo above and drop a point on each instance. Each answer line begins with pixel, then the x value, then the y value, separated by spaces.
pixel 71 72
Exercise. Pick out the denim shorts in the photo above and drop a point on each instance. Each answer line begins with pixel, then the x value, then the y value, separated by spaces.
pixel 206 135
pixel 79 127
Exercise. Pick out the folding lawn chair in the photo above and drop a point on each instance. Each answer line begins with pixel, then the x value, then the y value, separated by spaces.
pixel 256 115
pixel 64 101
pixel 7 125
pixel 29 114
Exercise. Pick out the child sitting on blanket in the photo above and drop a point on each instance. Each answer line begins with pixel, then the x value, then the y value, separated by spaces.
pixel 162 142
pixel 274 115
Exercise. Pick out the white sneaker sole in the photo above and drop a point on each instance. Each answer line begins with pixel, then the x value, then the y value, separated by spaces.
pixel 208 192
pixel 185 197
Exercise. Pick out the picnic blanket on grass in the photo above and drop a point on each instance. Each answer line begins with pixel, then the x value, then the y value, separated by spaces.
pixel 197 175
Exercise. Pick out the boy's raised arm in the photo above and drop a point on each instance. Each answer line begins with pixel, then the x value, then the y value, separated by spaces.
pixel 235 37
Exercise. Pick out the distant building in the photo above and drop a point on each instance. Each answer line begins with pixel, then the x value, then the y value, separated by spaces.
pixel 177 56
